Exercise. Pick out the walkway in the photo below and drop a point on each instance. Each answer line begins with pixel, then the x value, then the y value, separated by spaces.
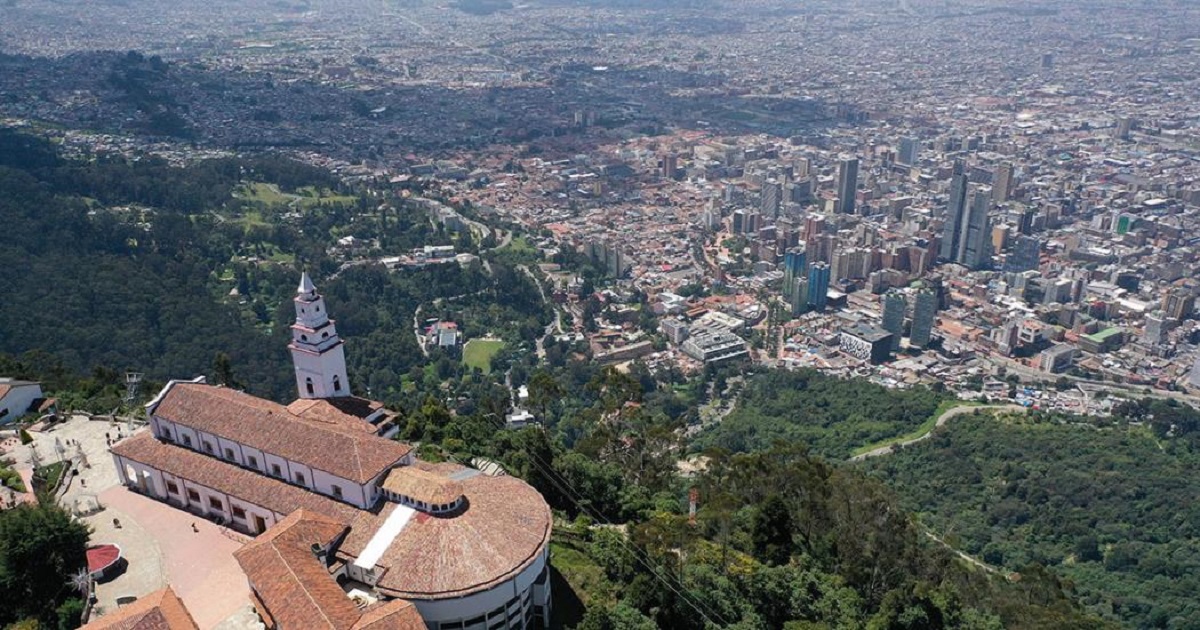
pixel 948 415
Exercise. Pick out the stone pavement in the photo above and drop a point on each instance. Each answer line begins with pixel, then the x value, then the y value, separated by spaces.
pixel 199 565
pixel 156 539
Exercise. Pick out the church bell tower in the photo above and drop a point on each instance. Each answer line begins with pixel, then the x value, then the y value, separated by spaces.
pixel 316 349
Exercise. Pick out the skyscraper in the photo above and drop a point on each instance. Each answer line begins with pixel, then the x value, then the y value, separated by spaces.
pixel 975 250
pixel 847 184
pixel 1002 183
pixel 1024 255
pixel 955 209
pixel 1156 329
pixel 771 198
pixel 795 265
pixel 799 297
pixel 909 148
pixel 818 285
pixel 924 313
pixel 894 306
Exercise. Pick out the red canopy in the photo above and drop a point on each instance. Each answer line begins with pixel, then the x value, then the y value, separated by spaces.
pixel 101 557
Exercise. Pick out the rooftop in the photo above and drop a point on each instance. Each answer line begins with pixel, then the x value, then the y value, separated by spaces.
pixel 160 610
pixel 317 434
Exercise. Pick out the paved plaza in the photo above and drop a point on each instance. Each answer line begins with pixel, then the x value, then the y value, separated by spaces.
pixel 156 539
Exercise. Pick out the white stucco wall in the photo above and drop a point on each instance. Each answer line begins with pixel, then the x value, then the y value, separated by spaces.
pixel 359 495
pixel 463 608
pixel 18 400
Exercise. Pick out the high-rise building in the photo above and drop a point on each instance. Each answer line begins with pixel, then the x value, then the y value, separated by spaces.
pixel 818 285
pixel 739 221
pixel 1025 254
pixel 1124 128
pixel 894 306
pixel 670 164
pixel 975 251
pixel 795 265
pixel 847 184
pixel 1002 183
pixel 771 199
pixel 925 305
pixel 955 210
pixel 1156 329
pixel 909 149
pixel 1179 304
pixel 799 296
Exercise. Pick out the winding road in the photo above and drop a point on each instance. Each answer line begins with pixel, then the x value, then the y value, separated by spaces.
pixel 942 419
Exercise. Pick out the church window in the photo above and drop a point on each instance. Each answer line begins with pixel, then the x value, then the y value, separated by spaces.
pixel 318 308
pixel 337 492
pixel 193 496
pixel 252 461
pixel 308 385
pixel 229 454
pixel 239 512
pixel 172 488
pixel 337 384
pixel 215 503
pixel 324 335
pixel 300 478
pixel 187 441
pixel 303 337
pixel 166 434
pixel 275 470
pixel 208 447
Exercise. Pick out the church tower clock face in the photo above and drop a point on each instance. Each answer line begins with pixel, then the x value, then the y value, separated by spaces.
pixel 317 353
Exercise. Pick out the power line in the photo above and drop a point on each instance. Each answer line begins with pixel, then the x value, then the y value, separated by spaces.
pixel 575 496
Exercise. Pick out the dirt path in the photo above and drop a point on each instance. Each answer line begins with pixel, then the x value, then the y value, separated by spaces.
pixel 948 415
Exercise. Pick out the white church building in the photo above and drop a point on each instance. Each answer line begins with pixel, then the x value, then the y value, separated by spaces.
pixel 464 549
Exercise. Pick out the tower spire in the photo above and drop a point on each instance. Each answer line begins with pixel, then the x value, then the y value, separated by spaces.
pixel 317 353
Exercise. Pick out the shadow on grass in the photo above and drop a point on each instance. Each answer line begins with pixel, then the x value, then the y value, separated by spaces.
pixel 568 609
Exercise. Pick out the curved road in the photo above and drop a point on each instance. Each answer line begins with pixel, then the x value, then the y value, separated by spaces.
pixel 942 419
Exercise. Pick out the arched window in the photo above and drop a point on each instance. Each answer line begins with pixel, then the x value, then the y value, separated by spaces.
pixel 303 337
pixel 337 384
pixel 308 385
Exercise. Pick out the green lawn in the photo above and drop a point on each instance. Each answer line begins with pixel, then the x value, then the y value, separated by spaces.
pixel 50 473
pixel 265 193
pixel 520 245
pixel 478 353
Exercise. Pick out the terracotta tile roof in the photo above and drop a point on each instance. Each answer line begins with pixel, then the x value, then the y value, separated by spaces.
pixel 397 614
pixel 420 485
pixel 289 580
pixel 4 389
pixel 270 493
pixel 326 440
pixel 160 610
pixel 502 528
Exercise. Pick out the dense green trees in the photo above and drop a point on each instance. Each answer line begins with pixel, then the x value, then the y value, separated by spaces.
pixel 1113 510
pixel 129 265
pixel 831 415
pixel 40 548
pixel 784 540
